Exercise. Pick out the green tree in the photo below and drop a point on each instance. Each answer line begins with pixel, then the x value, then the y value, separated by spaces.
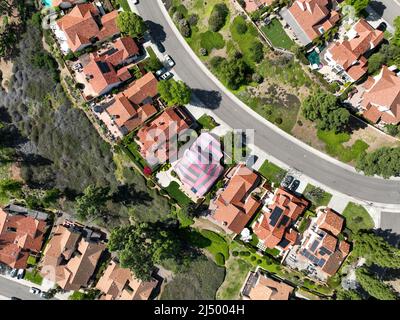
pixel 233 72
pixel 142 245
pixel 11 188
pixel 347 295
pixel 131 24
pixel 174 92
pixel 257 51
pixel 384 162
pixel 358 5
pixel 392 129
pixel 91 204
pixel 373 286
pixel 396 36
pixel 324 108
pixel 375 62
pixel 218 17
pixel 376 250
pixel 152 64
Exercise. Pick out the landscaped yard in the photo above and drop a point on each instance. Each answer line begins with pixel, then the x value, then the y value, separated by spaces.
pixel 212 242
pixel 33 276
pixel 132 150
pixel 317 196
pixel 357 217
pixel 334 145
pixel 175 193
pixel 272 172
pixel 207 122
pixel 277 35
pixel 236 273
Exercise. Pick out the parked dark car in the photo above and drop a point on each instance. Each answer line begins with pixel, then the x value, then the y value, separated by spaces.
pixel 160 47
pixel 287 181
pixel 295 184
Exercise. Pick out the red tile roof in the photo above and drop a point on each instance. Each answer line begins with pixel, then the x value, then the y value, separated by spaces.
pixel 330 221
pixel 142 89
pixel 101 74
pixel 123 49
pixel 235 205
pixel 19 235
pixel 84 24
pixel 154 137
pixel 382 98
pixel 292 207
pixel 313 14
pixel 349 53
pixel 128 115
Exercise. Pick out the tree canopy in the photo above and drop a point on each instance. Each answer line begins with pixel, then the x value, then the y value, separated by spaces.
pixel 358 5
pixel 347 295
pixel 233 72
pixel 324 108
pixel 396 36
pixel 91 204
pixel 131 24
pixel 142 245
pixel 174 92
pixel 384 162
pixel 373 286
pixel 376 250
pixel 218 17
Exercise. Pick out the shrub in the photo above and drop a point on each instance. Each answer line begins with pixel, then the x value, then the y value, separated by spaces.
pixel 220 259
pixel 215 62
pixel 300 123
pixel 150 184
pixel 185 28
pixel 235 253
pixel 177 16
pixel 218 17
pixel 241 27
pixel 257 51
pixel 259 261
pixel 193 19
pixel 253 258
pixel 278 120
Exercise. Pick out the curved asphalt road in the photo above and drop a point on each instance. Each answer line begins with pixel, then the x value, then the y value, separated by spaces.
pixel 336 177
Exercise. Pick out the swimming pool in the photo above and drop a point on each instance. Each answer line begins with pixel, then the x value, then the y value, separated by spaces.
pixel 48 3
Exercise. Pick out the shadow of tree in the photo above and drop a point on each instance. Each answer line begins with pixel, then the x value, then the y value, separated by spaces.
pixel 378 7
pixel 206 98
pixel 128 195
pixel 156 31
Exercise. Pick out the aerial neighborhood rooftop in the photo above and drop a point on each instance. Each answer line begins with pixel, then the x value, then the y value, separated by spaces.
pixel 179 203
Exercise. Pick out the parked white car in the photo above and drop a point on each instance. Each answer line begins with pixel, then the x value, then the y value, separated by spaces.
pixel 35 290
pixel 169 61
pixel 167 75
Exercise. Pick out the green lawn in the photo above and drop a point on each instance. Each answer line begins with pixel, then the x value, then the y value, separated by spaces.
pixel 32 261
pixel 212 242
pixel 272 172
pixel 246 40
pixel 175 193
pixel 334 145
pixel 184 219
pixel 277 35
pixel 317 196
pixel 236 273
pixel 34 277
pixel 207 122
pixel 357 217
pixel 211 40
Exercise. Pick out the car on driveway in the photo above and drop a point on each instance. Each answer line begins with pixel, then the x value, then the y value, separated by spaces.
pixel 295 184
pixel 169 61
pixel 35 290
pixel 13 273
pixel 160 47
pixel 20 273
pixel 167 75
pixel 45 295
pixel 160 72
pixel 287 181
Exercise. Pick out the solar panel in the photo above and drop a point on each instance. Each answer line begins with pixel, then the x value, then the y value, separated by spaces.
pixel 324 251
pixel 104 68
pixel 275 215
pixel 321 262
pixel 314 245
pixel 284 221
pixel 283 243
pixel 315 259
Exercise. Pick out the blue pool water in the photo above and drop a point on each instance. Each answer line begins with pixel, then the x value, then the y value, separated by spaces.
pixel 47 3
